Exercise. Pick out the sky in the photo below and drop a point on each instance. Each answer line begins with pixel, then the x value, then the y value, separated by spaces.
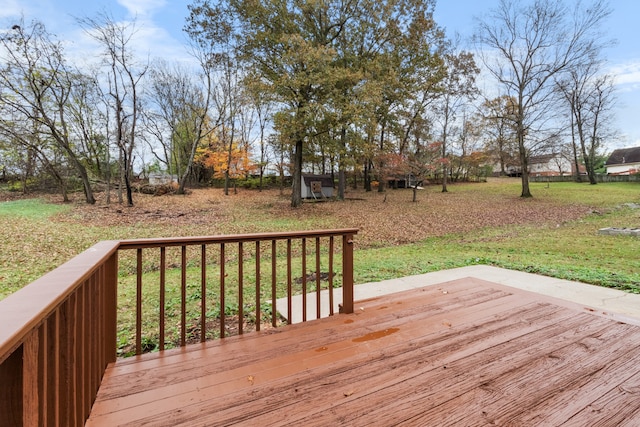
pixel 160 23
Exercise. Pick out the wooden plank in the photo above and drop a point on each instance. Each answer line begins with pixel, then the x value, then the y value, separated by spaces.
pixel 43 368
pixel 51 365
pixel 65 363
pixel 432 374
pixel 619 405
pixel 554 410
pixel 11 404
pixel 495 395
pixel 419 303
pixel 86 348
pixel 162 376
pixel 463 353
pixel 31 380
pixel 221 386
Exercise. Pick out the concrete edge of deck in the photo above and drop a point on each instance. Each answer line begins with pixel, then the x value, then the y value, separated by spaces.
pixel 610 300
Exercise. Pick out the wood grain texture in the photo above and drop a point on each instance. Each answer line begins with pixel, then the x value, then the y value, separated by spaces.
pixel 466 352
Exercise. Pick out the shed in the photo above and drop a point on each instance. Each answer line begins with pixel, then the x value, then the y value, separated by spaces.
pixel 316 186
pixel 624 161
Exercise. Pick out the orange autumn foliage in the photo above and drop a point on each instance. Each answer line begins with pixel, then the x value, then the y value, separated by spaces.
pixel 237 162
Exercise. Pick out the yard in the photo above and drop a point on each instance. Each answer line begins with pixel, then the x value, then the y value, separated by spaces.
pixel 555 233
pixel 102 305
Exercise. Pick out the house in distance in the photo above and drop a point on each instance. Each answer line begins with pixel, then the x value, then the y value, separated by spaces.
pixel 624 161
pixel 317 186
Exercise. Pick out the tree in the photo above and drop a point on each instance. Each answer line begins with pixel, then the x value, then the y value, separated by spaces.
pixel 458 87
pixel 215 156
pixel 124 76
pixel 37 97
pixel 424 161
pixel 263 109
pixel 589 95
pixel 182 106
pixel 497 120
pixel 524 46
pixel 326 63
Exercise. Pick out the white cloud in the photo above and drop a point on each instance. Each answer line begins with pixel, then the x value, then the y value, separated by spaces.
pixel 142 8
pixel 627 74
pixel 10 9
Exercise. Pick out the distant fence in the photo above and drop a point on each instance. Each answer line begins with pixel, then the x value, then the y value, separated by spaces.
pixel 599 178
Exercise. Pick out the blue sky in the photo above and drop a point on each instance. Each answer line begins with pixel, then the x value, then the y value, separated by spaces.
pixel 160 34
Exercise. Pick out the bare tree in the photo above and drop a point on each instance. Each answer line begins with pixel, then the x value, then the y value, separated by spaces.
pixel 37 97
pixel 497 124
pixel 263 109
pixel 589 95
pixel 458 88
pixel 124 76
pixel 182 106
pixel 524 46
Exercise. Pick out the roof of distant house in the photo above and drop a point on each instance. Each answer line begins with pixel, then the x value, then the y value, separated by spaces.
pixel 542 158
pixel 624 155
pixel 324 179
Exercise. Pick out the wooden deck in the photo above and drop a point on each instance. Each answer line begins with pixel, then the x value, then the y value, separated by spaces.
pixel 466 352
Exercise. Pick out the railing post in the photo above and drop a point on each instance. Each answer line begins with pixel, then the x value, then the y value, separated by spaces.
pixel 347 273
pixel 111 308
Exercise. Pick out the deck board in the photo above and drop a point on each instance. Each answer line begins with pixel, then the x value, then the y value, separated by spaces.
pixel 466 352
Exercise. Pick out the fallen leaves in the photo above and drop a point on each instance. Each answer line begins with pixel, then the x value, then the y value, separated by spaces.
pixel 209 212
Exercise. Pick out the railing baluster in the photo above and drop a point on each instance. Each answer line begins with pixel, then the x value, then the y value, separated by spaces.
pixel 183 297
pixel 331 275
pixel 240 287
pixel 107 278
pixel 222 290
pixel 289 287
pixel 163 272
pixel 203 293
pixel 43 369
pixel 258 314
pixel 30 383
pixel 94 381
pixel 53 351
pixel 273 283
pixel 317 277
pixel 139 302
pixel 304 279
pixel 87 348
pixel 79 344
pixel 64 365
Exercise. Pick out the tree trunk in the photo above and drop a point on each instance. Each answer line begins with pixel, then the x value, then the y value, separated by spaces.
pixel 367 175
pixel 84 177
pixel 524 162
pixel 381 183
pixel 341 173
pixel 127 179
pixel 296 193
pixel 88 192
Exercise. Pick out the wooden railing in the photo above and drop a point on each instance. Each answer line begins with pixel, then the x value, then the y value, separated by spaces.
pixel 58 334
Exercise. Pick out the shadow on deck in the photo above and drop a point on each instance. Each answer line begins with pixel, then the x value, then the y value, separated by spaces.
pixel 464 352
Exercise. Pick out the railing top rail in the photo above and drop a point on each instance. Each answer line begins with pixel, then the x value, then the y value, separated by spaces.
pixel 26 309
pixel 232 238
